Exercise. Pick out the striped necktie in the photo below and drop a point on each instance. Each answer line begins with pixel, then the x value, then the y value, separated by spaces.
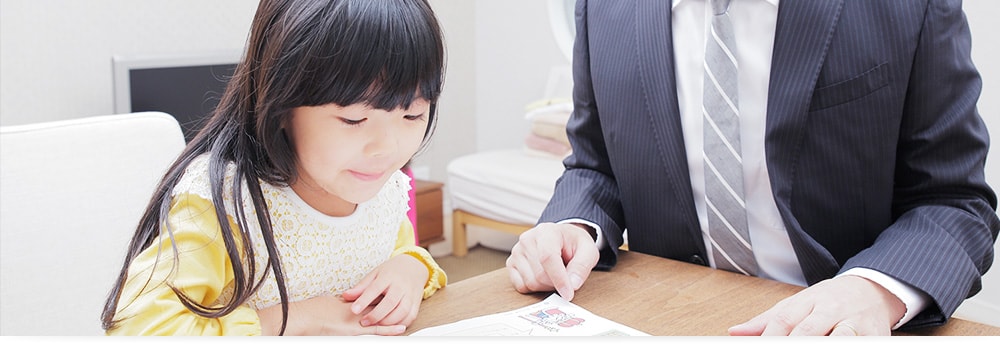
pixel 727 221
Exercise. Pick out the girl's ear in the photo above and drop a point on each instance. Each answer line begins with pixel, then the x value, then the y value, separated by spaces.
pixel 284 122
pixel 283 128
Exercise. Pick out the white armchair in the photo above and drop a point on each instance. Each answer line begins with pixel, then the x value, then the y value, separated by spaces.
pixel 71 194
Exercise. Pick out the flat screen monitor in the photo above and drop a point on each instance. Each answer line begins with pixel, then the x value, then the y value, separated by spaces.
pixel 187 87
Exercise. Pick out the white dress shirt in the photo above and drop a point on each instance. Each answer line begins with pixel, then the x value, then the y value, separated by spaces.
pixel 754 23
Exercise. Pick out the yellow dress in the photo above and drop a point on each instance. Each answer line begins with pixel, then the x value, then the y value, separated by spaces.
pixel 320 254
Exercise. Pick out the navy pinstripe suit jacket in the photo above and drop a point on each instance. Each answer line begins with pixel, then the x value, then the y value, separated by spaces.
pixel 874 144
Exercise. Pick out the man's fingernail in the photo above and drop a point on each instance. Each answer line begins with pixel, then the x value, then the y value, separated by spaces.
pixel 575 281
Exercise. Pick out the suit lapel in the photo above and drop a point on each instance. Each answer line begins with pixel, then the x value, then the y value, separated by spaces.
pixel 802 36
pixel 656 60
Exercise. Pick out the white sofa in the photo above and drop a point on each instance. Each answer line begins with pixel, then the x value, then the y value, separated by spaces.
pixel 71 194
pixel 496 195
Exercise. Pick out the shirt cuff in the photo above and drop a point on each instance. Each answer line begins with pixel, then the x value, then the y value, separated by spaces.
pixel 601 243
pixel 915 300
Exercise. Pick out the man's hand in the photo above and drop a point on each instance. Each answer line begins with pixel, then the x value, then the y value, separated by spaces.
pixel 845 305
pixel 552 256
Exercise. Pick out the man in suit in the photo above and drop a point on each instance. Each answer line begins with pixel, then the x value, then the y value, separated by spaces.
pixel 862 157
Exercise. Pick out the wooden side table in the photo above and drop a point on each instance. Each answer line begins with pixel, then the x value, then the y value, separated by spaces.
pixel 430 217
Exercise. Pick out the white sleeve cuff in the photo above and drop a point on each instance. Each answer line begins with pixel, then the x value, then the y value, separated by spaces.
pixel 601 243
pixel 914 299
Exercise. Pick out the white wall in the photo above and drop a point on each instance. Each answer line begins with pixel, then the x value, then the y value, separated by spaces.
pixel 455 134
pixel 515 51
pixel 55 55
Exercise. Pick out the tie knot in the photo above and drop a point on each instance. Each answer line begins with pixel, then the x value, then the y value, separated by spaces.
pixel 720 7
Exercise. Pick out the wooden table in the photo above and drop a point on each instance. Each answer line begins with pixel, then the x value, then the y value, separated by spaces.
pixel 658 296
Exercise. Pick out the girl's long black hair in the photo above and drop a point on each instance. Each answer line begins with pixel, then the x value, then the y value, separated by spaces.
pixel 383 53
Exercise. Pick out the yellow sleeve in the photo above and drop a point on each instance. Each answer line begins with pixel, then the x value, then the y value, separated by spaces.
pixel 406 243
pixel 148 306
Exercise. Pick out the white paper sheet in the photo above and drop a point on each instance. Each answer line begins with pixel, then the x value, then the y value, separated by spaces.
pixel 553 316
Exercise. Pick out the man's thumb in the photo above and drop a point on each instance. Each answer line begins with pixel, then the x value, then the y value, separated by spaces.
pixel 578 270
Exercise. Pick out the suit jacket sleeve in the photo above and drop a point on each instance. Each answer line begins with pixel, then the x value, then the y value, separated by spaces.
pixel 942 239
pixel 587 188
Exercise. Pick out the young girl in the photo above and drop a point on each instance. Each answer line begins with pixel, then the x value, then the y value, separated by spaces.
pixel 287 213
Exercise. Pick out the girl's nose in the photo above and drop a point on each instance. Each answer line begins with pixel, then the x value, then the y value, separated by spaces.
pixel 383 142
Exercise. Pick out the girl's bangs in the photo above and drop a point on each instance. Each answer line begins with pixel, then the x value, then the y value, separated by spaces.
pixel 381 54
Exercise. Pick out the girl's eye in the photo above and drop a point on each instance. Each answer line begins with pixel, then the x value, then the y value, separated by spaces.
pixel 414 117
pixel 349 121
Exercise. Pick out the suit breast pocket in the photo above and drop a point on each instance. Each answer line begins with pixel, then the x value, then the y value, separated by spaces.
pixel 853 88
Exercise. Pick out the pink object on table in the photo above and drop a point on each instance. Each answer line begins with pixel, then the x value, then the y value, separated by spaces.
pixel 412 213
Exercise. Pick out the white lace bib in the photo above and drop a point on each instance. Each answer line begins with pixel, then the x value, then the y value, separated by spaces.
pixel 320 254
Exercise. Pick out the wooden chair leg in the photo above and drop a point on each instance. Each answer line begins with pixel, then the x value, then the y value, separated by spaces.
pixel 458 241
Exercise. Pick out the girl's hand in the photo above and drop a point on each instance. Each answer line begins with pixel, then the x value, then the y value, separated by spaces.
pixel 321 315
pixel 390 294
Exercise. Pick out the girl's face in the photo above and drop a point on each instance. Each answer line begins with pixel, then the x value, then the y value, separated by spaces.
pixel 346 154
